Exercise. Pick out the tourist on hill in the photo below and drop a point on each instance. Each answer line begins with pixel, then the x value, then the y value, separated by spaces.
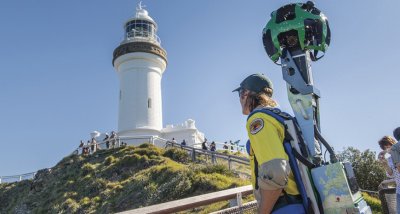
pixel 174 141
pixel 386 143
pixel 113 139
pixel 225 146
pixel 204 144
pixel 230 142
pixel 93 145
pixel 183 143
pixel 274 185
pixel 107 141
pixel 86 148
pixel 81 146
pixel 213 147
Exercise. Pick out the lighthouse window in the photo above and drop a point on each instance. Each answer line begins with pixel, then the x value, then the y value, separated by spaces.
pixel 139 28
pixel 149 103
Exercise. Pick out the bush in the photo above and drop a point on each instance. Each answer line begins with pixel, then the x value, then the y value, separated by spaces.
pixel 178 155
pixel 84 201
pixel 87 168
pixel 109 160
pixel 221 169
pixel 130 160
pixel 70 206
pixel 148 151
pixel 374 203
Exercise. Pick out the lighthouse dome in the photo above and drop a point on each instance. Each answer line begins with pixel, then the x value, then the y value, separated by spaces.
pixel 141 28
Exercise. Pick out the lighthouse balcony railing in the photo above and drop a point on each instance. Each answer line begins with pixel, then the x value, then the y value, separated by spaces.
pixel 141 36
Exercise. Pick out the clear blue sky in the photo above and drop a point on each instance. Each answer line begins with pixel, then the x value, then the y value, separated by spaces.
pixel 57 82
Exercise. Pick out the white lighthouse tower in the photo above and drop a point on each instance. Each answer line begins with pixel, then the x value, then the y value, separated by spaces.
pixel 140 62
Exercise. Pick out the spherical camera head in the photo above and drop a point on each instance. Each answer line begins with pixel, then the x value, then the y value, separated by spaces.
pixel 296 26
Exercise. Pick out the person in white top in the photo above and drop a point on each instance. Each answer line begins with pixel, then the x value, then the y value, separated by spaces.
pixel 391 171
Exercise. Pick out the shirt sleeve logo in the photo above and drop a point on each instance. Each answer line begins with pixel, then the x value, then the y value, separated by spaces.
pixel 256 125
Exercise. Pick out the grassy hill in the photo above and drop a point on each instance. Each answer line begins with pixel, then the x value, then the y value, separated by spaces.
pixel 115 180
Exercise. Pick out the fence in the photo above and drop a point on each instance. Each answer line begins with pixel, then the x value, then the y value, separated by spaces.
pixel 15 178
pixel 235 147
pixel 387 195
pixel 235 195
pixel 234 163
pixel 119 141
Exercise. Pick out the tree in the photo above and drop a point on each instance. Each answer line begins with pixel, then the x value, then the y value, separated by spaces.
pixel 368 171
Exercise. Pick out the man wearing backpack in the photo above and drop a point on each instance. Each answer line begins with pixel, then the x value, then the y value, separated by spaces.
pixel 274 184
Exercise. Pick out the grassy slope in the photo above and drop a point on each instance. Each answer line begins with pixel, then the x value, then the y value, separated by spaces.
pixel 115 180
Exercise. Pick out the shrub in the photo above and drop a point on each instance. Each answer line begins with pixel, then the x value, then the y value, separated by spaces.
pixel 84 201
pixel 97 199
pixel 87 168
pixel 70 206
pixel 145 145
pixel 374 203
pixel 109 160
pixel 221 169
pixel 177 155
pixel 115 185
pixel 148 151
pixel 130 160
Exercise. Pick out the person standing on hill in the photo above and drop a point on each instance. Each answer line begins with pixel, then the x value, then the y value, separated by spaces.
pixel 204 145
pixel 274 185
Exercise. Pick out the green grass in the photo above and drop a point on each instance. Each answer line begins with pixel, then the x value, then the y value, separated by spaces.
pixel 115 180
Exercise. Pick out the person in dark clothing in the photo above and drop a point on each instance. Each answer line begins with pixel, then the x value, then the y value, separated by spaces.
pixel 183 143
pixel 107 141
pixel 204 145
pixel 80 147
pixel 230 142
pixel 213 147
pixel 225 146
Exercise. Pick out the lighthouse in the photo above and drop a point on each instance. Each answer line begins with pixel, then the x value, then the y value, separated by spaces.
pixel 140 62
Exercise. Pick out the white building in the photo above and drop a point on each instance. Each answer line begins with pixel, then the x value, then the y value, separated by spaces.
pixel 140 62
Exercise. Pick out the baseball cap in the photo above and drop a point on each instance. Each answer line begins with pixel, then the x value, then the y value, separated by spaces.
pixel 255 83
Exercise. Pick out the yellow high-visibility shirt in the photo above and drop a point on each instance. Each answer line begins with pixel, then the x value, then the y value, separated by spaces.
pixel 266 136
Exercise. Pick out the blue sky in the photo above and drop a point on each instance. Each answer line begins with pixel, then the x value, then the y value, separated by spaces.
pixel 57 81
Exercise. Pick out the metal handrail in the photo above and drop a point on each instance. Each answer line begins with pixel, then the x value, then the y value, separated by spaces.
pixel 15 178
pixel 218 154
pixel 196 201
